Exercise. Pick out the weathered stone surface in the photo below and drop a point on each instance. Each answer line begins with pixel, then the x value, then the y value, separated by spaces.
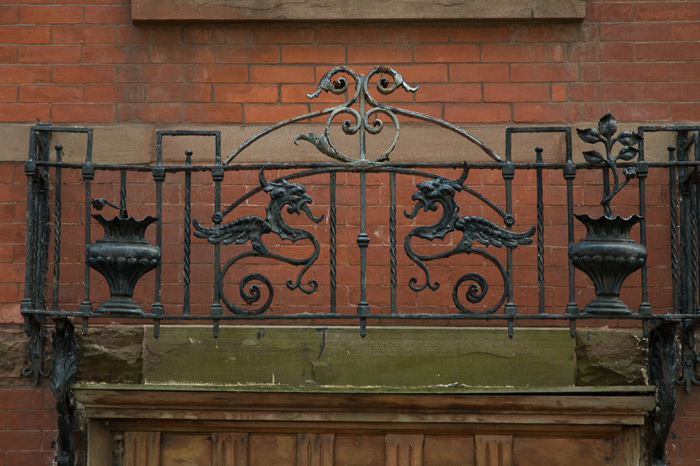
pixel 338 359
pixel 418 142
pixel 112 353
pixel 329 10
pixel 607 357
pixel 14 356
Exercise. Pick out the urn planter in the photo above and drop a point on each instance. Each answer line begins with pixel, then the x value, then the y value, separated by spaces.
pixel 122 256
pixel 608 256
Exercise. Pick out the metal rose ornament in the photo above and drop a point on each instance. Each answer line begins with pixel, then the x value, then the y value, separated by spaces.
pixel 122 256
pixel 607 254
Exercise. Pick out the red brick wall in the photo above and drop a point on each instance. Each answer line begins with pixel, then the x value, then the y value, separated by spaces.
pixel 86 63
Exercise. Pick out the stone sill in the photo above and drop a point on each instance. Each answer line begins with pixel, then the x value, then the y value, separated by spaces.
pixel 318 11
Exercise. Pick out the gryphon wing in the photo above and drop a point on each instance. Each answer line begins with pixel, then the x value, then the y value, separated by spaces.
pixel 239 231
pixel 488 233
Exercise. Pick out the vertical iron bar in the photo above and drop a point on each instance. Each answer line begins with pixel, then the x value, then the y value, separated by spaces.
pixel 683 223
pixel 674 230
pixel 508 172
pixel 57 230
pixel 122 193
pixel 188 219
pixel 392 240
pixel 642 173
pixel 569 175
pixel 216 310
pixel 158 174
pixel 363 242
pixel 88 172
pixel 333 239
pixel 540 232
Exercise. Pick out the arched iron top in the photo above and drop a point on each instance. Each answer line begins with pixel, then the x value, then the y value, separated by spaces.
pixel 361 121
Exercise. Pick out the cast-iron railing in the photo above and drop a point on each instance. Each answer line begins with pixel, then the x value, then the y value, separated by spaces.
pixel 359 237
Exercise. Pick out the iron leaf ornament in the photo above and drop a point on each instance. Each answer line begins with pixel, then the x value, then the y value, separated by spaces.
pixel 605 133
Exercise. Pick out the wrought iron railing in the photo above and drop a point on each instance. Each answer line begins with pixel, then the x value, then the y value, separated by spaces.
pixel 365 238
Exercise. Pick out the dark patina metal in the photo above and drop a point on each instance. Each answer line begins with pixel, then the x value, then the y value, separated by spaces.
pixel 471 225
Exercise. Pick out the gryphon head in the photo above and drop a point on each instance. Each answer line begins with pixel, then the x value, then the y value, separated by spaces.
pixel 292 194
pixel 435 189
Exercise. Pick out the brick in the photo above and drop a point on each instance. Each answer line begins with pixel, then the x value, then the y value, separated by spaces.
pixel 152 113
pixel 89 34
pixel 415 34
pixel 685 112
pixel 114 54
pixel 540 73
pixel 676 51
pixel 385 54
pixel 213 113
pixel 601 92
pixel 178 92
pixel 545 33
pixel 559 92
pixel 31 419
pixel 516 92
pixel 50 14
pixel 131 93
pixel 418 74
pixel 544 113
pixel 478 113
pixel 314 54
pixel 480 34
pixel 601 52
pixel 272 113
pixel 590 72
pixel 49 54
pixel 84 74
pixel 101 93
pixel 607 11
pixel 449 93
pixel 280 74
pixel 446 53
pixel 617 72
pixel 8 94
pixel 20 398
pixel 9 293
pixel 667 11
pixel 213 35
pixel 24 112
pixel 174 53
pixel 626 32
pixel 8 53
pixel 25 34
pixel 684 31
pixel 246 93
pixel 24 74
pixel 479 72
pixel 632 111
pixel 107 14
pixel 281 35
pixel 24 458
pixel 248 54
pixel 216 73
pixel 50 93
pixel 513 53
pixel 348 34
pixel 9 14
pixel 82 113
pixel 556 53
pixel 666 92
pixel 149 73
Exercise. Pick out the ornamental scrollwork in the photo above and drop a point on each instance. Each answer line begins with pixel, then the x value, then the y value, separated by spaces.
pixel 439 192
pixel 253 228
